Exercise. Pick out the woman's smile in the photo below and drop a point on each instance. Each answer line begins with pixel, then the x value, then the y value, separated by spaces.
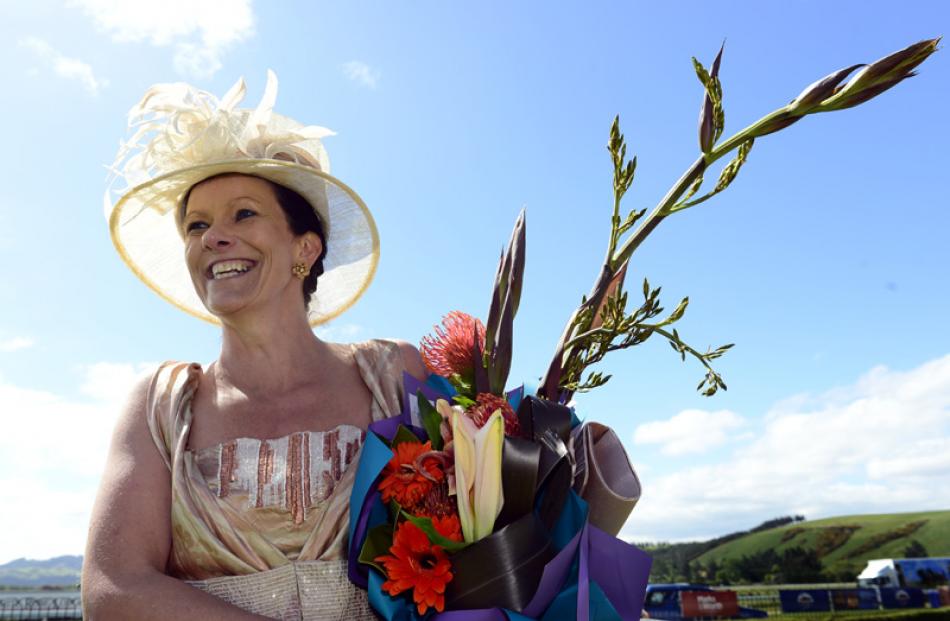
pixel 229 268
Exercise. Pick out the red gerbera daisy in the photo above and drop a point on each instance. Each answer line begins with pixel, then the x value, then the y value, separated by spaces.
pixel 485 405
pixel 449 527
pixel 449 350
pixel 414 563
pixel 410 473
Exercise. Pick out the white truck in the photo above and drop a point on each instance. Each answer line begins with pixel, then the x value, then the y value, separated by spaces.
pixel 921 573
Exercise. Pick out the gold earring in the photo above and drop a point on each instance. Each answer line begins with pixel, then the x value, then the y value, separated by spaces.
pixel 300 270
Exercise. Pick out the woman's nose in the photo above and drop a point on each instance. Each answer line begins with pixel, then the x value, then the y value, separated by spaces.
pixel 217 238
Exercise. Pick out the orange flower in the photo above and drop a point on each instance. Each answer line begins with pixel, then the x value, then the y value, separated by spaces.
pixel 416 564
pixel 486 404
pixel 449 527
pixel 449 350
pixel 409 475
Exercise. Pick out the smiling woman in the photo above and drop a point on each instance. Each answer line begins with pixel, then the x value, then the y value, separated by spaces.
pixel 237 231
pixel 226 490
pixel 301 219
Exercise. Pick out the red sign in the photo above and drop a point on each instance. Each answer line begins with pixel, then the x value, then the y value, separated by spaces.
pixel 709 604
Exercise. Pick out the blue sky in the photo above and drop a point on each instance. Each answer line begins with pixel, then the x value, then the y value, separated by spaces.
pixel 825 262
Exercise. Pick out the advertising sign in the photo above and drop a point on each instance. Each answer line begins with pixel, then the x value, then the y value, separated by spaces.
pixel 709 604
pixel 805 600
pixel 902 598
pixel 854 599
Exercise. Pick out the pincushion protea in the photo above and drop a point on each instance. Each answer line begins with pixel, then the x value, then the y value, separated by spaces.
pixel 485 404
pixel 448 352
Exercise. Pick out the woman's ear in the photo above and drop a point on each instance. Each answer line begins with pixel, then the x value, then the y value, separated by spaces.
pixel 309 248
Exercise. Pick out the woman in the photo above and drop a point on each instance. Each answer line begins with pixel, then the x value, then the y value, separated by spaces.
pixel 235 479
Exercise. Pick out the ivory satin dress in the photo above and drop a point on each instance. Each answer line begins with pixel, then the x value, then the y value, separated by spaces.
pixel 262 523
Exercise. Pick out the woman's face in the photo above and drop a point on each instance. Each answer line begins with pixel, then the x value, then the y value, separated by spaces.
pixel 239 247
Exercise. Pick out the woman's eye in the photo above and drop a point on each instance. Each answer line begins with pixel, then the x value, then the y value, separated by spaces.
pixel 197 225
pixel 244 213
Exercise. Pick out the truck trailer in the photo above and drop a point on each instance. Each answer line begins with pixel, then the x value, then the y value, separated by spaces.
pixel 920 573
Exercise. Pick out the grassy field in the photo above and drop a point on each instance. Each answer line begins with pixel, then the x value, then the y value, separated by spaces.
pixel 846 543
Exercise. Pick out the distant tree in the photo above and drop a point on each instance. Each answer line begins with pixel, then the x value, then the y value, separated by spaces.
pixel 729 572
pixel 801 566
pixel 776 522
pixel 915 549
pixel 845 572
pixel 775 576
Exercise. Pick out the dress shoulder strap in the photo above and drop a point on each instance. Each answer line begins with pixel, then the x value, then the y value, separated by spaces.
pixel 381 365
pixel 166 413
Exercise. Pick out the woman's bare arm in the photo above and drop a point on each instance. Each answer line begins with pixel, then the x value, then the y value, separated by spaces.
pixel 123 574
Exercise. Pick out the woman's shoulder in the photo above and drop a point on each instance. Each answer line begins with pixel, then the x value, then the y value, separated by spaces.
pixel 395 353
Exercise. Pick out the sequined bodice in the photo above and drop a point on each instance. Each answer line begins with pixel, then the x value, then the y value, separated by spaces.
pixel 281 485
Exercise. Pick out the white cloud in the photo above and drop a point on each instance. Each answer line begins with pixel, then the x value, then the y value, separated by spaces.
pixel 64 66
pixel 52 453
pixel 16 343
pixel 338 332
pixel 200 31
pixel 361 73
pixel 690 431
pixel 878 445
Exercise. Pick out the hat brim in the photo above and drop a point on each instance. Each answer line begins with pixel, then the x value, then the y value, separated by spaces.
pixel 143 227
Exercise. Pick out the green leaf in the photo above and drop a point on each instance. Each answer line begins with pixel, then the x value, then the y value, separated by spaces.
pixel 431 421
pixel 463 401
pixel 463 383
pixel 403 435
pixel 377 543
pixel 425 524
pixel 394 509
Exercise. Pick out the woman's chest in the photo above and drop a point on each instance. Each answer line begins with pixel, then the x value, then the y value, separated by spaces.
pixel 222 416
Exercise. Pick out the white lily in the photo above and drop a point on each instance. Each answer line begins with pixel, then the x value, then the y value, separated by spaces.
pixel 478 454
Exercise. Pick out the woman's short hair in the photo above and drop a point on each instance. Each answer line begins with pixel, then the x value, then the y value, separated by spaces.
pixel 300 216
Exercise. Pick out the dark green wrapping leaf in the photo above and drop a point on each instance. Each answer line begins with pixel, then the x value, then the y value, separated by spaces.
pixel 504 306
pixel 500 360
pixel 517 250
pixel 425 524
pixel 498 294
pixel 377 543
pixel 431 421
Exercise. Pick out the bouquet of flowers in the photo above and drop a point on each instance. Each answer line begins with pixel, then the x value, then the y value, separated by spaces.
pixel 478 502
pixel 476 498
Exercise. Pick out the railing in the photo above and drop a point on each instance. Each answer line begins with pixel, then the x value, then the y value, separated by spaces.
pixel 842 599
pixel 40 607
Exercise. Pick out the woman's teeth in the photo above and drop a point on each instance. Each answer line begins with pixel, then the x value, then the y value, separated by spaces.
pixel 229 269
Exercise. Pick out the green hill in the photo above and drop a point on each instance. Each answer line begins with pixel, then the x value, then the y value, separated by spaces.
pixel 841 544
pixel 790 549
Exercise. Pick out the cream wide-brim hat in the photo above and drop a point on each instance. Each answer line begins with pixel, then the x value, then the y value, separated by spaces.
pixel 185 136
